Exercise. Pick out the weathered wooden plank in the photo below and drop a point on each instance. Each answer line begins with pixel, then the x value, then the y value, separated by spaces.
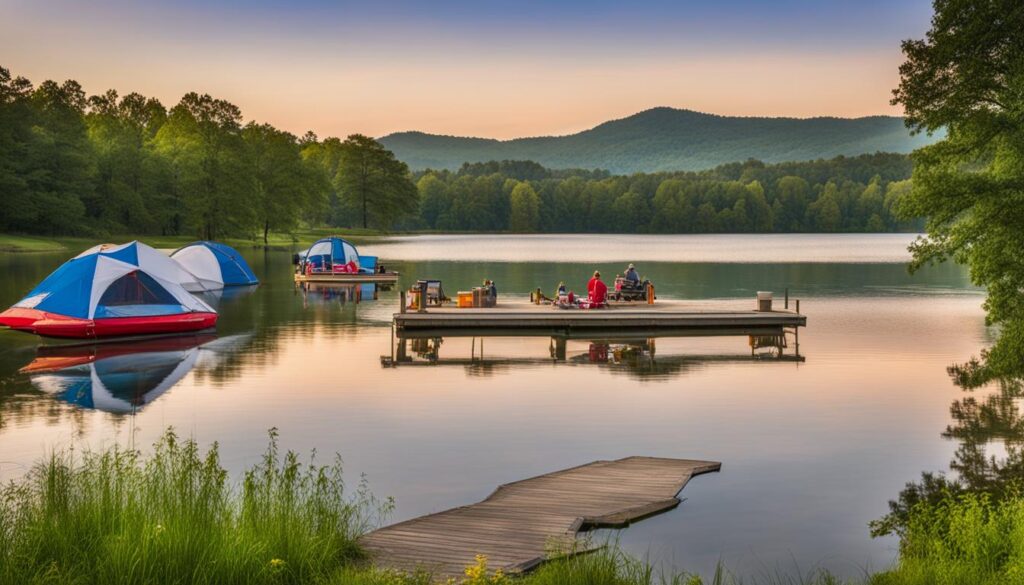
pixel 667 317
pixel 518 523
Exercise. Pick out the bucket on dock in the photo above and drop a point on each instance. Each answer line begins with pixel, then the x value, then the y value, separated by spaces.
pixel 764 301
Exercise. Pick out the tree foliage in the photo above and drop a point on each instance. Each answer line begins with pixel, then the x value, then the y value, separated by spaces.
pixel 838 195
pixel 375 183
pixel 110 164
pixel 967 76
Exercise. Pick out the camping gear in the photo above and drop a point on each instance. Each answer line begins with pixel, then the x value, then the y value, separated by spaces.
pixel 110 291
pixel 764 301
pixel 465 299
pixel 215 265
pixel 335 255
pixel 434 293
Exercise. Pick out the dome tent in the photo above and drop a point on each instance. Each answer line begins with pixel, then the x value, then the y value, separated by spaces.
pixel 110 290
pixel 327 254
pixel 215 265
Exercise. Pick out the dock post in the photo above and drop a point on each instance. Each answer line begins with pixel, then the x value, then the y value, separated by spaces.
pixel 798 306
pixel 422 307
pixel 401 301
pixel 787 297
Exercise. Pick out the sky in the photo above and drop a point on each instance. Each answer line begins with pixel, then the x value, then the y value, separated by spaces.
pixel 500 69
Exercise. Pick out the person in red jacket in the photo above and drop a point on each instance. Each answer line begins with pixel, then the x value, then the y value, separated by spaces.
pixel 597 291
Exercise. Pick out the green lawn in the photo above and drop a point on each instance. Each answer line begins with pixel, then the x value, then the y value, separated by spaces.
pixel 299 239
pixel 9 243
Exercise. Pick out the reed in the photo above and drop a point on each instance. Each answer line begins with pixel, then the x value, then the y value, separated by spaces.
pixel 174 517
pixel 116 517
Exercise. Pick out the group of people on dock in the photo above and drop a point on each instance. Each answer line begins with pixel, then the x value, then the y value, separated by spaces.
pixel 597 290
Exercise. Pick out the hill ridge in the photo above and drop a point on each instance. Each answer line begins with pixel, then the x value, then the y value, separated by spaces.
pixel 664 138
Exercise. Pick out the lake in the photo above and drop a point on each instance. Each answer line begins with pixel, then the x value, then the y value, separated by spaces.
pixel 811 450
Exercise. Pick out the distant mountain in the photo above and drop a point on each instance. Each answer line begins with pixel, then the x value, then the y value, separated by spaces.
pixel 667 139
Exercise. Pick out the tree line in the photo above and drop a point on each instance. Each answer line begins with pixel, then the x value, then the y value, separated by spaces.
pixel 112 164
pixel 844 194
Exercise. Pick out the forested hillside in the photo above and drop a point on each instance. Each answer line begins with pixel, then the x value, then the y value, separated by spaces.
pixel 110 164
pixel 667 139
pixel 840 194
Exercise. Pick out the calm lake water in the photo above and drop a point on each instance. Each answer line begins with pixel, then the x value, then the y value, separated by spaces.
pixel 811 450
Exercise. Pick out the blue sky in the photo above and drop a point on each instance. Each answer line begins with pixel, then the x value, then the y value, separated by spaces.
pixel 482 68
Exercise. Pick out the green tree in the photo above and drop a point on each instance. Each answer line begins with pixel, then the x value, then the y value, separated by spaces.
pixel 793 195
pixel 758 211
pixel 434 198
pixel 525 208
pixel 203 144
pixel 128 172
pixel 631 213
pixel 58 165
pixel 372 180
pixel 825 214
pixel 326 156
pixel 19 211
pixel 282 184
pixel 967 77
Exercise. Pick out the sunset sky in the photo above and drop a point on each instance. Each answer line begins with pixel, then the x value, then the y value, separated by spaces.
pixel 482 68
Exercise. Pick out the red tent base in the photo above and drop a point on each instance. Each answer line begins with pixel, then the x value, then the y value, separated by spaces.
pixel 50 325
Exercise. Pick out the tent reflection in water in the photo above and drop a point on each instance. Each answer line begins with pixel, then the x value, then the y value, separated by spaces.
pixel 110 291
pixel 123 377
pixel 215 265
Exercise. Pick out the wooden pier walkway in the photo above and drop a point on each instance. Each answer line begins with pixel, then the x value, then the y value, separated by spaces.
pixel 521 523
pixel 522 318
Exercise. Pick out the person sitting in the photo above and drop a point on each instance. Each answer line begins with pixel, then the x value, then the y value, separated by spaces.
pixel 490 293
pixel 561 291
pixel 592 281
pixel 631 275
pixel 597 291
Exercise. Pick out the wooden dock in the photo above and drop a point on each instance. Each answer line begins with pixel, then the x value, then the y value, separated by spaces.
pixel 522 318
pixel 522 523
pixel 383 278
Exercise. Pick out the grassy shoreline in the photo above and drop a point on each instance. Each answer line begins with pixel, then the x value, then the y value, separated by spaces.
pixel 174 516
pixel 18 244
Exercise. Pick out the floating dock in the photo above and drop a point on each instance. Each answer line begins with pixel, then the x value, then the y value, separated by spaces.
pixel 679 318
pixel 521 524
pixel 382 278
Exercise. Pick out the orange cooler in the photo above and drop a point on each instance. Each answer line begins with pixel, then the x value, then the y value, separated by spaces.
pixel 464 300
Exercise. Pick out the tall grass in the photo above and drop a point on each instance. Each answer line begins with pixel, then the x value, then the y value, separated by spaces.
pixel 963 539
pixel 173 517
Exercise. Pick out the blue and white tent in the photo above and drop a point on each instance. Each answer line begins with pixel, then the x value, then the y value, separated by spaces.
pixel 116 280
pixel 215 265
pixel 329 252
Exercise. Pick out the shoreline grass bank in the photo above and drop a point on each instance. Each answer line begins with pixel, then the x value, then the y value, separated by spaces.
pixel 174 516
pixel 16 243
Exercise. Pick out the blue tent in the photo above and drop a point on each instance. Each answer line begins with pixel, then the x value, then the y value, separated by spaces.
pixel 215 265
pixel 329 252
pixel 113 290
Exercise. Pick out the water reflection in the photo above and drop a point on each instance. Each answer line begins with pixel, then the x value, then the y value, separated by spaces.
pixel 813 450
pixel 634 356
pixel 125 377
pixel 989 458
pixel 221 296
pixel 320 292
